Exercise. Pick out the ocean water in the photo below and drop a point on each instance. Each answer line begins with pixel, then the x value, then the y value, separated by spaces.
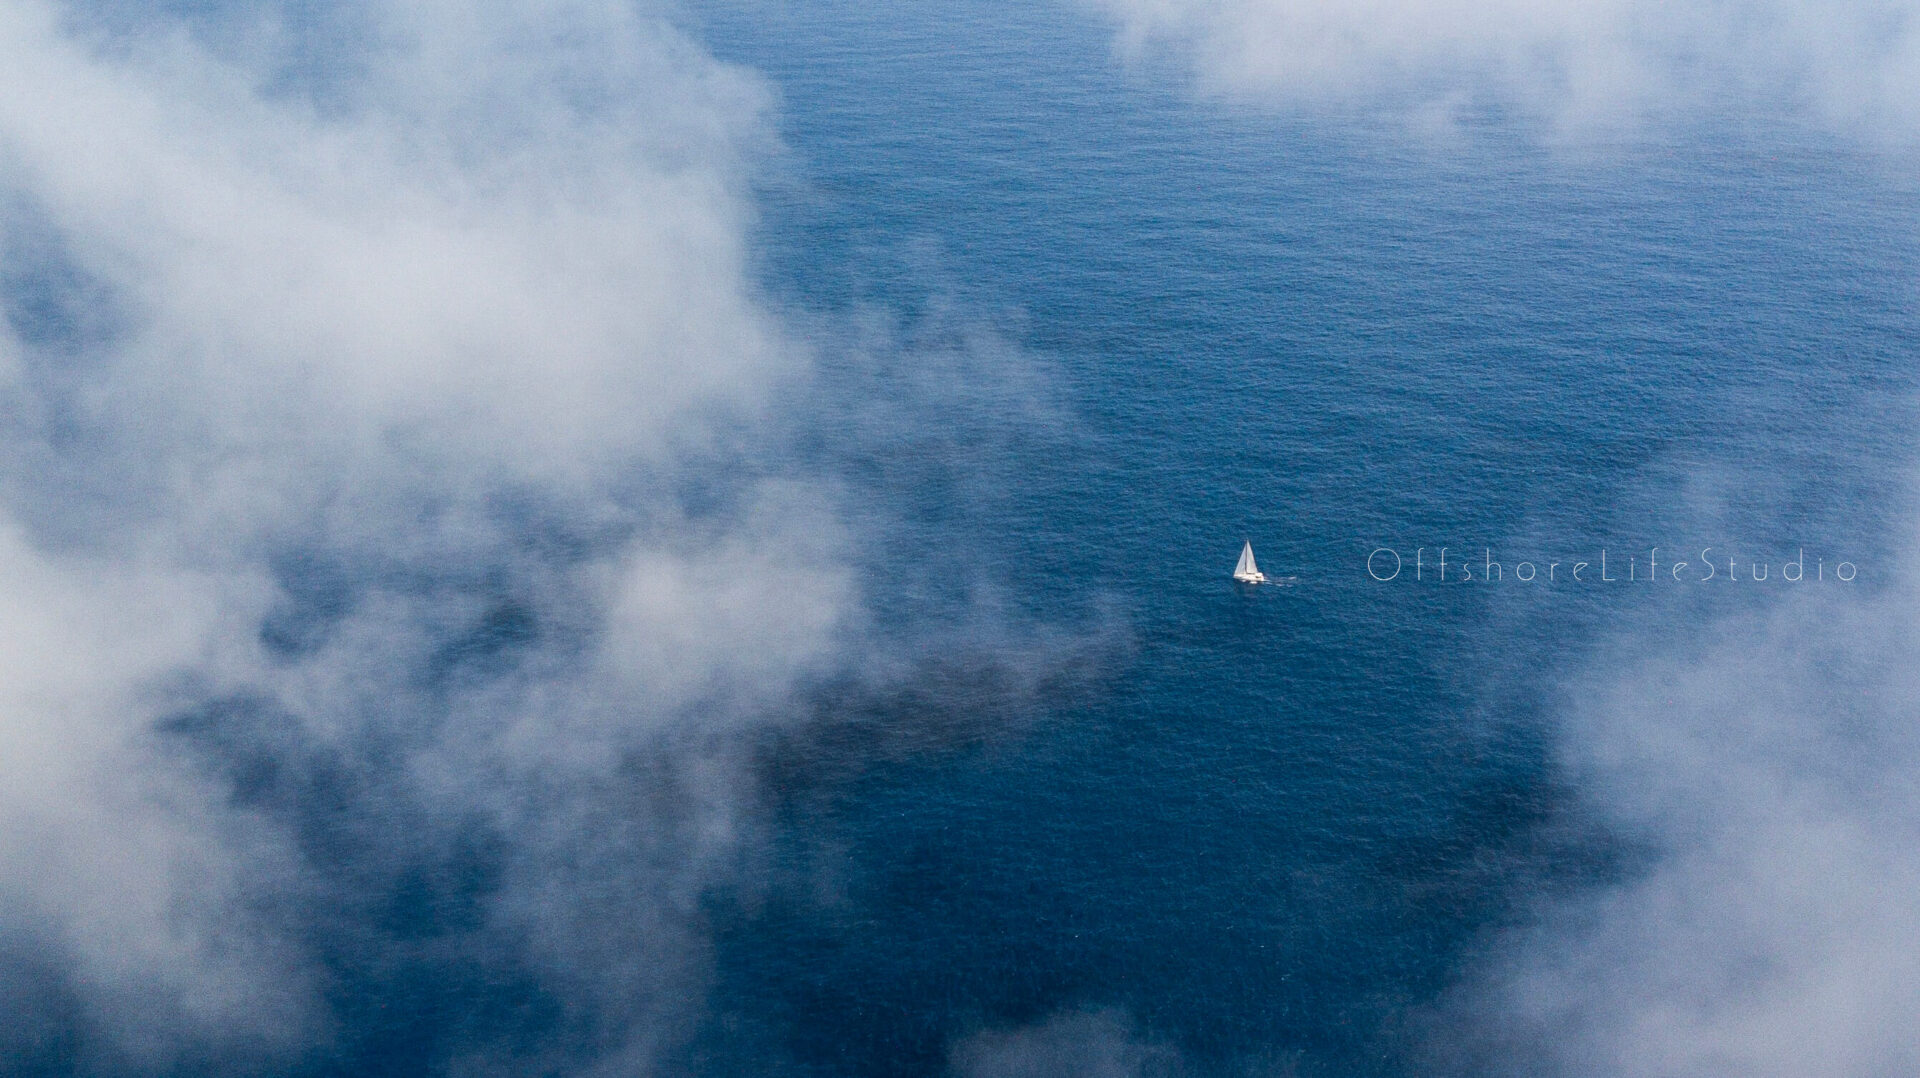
pixel 1268 824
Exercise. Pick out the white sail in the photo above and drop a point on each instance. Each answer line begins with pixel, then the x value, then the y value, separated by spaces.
pixel 1246 568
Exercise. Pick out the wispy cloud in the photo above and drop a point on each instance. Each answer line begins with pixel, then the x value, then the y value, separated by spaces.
pixel 1767 765
pixel 1074 1044
pixel 362 660
pixel 1595 64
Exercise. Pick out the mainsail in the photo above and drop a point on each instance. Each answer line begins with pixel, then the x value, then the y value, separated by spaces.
pixel 1246 566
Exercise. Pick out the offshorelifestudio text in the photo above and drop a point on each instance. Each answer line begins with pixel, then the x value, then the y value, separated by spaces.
pixel 1447 565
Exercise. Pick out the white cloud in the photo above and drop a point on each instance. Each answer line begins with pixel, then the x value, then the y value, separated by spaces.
pixel 355 532
pixel 1588 64
pixel 136 893
pixel 1771 765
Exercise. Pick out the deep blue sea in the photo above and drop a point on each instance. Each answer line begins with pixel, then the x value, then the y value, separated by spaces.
pixel 1127 327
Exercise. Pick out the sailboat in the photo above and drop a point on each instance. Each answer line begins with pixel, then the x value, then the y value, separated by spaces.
pixel 1247 572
